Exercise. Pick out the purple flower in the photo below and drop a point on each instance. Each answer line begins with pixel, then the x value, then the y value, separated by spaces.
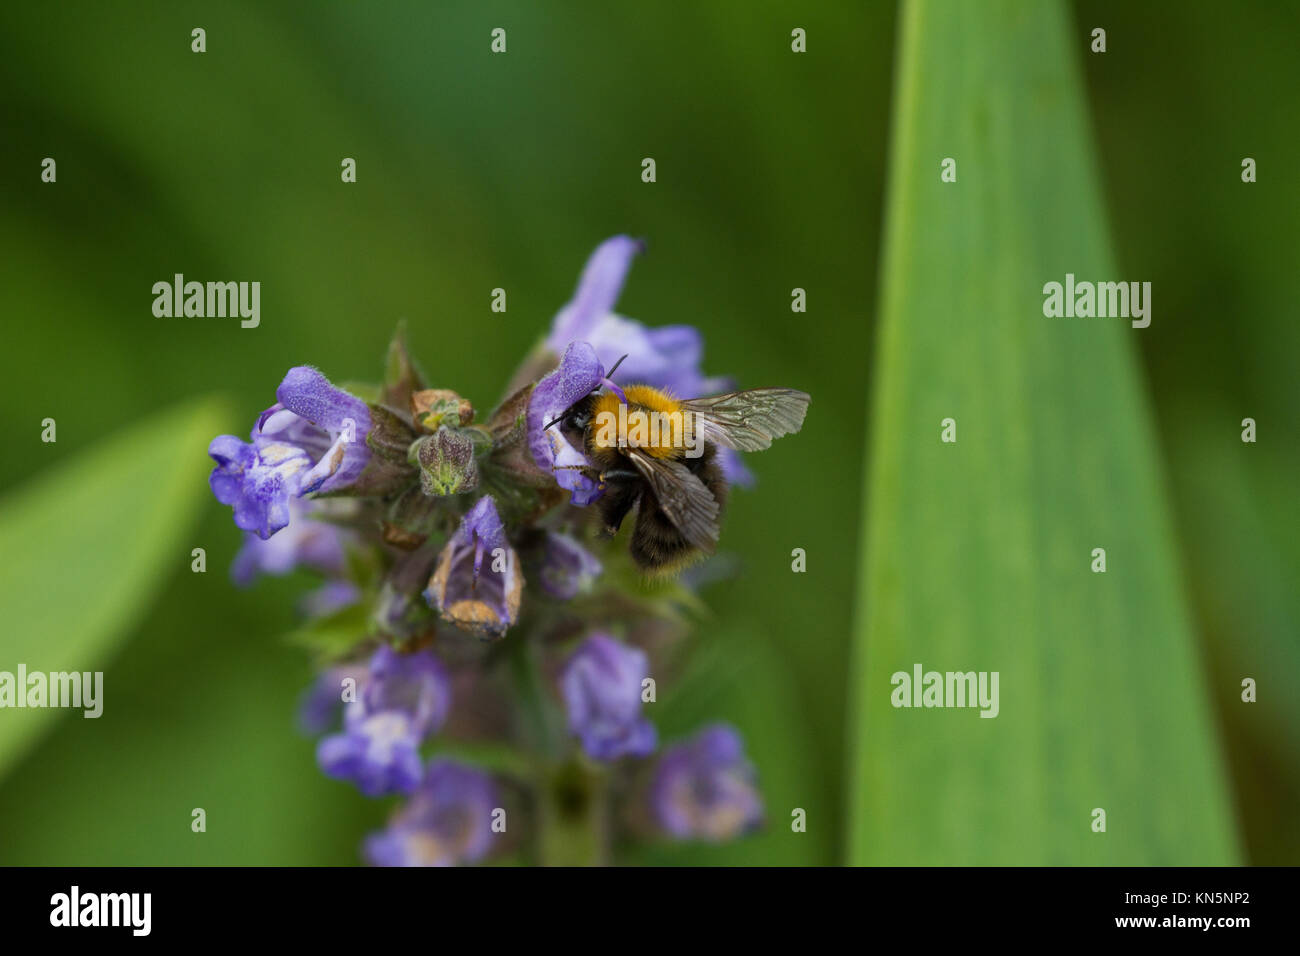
pixel 380 753
pixel 305 542
pixel 704 788
pixel 733 467
pixel 318 545
pixel 322 704
pixel 330 598
pixel 312 439
pixel 447 821
pixel 477 583
pixel 567 567
pixel 579 372
pixel 415 684
pixel 601 684
pixel 406 698
pixel 597 291
pixel 668 357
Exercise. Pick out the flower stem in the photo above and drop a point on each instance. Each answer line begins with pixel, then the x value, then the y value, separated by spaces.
pixel 573 816
pixel 537 726
pixel 572 810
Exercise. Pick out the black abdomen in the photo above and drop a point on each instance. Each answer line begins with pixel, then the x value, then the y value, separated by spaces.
pixel 657 545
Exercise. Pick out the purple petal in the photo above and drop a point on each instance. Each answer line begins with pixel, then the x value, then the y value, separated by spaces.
pixel 567 567
pixel 568 462
pixel 733 467
pixel 313 439
pixel 704 788
pixel 309 394
pixel 468 586
pixel 578 373
pixel 322 703
pixel 330 598
pixel 416 685
pixel 258 492
pixel 483 523
pixel 601 686
pixel 447 821
pixel 598 290
pixel 380 754
pixel 231 454
pixel 668 357
pixel 392 848
pixel 318 545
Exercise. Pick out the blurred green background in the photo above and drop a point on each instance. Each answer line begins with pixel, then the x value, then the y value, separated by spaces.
pixel 477 171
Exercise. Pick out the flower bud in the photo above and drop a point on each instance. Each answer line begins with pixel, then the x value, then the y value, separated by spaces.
pixel 434 407
pixel 447 465
pixel 476 583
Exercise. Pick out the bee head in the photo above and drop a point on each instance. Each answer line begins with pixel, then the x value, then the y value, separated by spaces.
pixel 575 419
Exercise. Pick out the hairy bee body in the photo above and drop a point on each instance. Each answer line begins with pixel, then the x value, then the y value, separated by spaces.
pixel 657 545
pixel 658 454
pixel 674 436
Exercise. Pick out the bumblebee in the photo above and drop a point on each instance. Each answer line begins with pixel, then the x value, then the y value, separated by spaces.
pixel 658 453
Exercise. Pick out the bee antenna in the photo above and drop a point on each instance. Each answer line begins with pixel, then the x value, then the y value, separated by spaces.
pixel 610 373
pixel 553 421
pixel 607 381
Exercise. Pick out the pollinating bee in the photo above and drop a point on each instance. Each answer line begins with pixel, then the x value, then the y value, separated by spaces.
pixel 657 453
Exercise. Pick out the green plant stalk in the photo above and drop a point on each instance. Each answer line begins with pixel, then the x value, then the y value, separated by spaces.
pixel 569 794
pixel 574 816
pixel 978 552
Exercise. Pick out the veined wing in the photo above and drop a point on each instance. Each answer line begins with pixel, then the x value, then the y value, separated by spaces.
pixel 749 420
pixel 682 497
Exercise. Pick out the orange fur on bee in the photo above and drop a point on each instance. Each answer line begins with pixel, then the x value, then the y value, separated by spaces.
pixel 652 421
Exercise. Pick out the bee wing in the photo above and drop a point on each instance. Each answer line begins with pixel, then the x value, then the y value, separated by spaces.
pixel 749 420
pixel 682 497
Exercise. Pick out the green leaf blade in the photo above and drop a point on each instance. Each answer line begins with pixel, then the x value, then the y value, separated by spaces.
pixel 86 545
pixel 977 554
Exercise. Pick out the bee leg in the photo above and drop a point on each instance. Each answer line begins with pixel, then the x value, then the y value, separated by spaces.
pixel 620 497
